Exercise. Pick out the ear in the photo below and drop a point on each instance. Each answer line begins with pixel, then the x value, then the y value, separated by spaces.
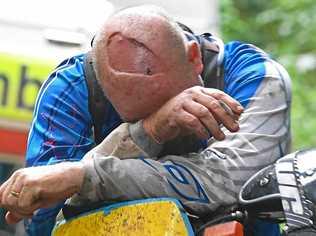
pixel 195 57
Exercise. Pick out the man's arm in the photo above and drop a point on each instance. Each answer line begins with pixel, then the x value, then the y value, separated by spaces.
pixel 61 129
pixel 127 141
pixel 204 181
pixel 201 181
pixel 212 178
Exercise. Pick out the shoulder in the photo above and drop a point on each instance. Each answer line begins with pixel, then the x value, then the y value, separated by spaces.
pixel 243 55
pixel 240 57
pixel 61 107
pixel 246 68
pixel 70 70
pixel 69 73
pixel 244 58
pixel 65 87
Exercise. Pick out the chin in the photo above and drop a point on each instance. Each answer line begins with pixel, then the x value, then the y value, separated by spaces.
pixel 129 120
pixel 132 118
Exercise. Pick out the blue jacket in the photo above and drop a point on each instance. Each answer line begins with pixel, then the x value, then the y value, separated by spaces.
pixel 62 127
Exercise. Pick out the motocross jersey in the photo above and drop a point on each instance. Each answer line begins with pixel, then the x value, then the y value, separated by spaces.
pixel 203 181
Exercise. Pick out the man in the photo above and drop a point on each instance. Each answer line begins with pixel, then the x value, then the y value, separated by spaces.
pixel 149 70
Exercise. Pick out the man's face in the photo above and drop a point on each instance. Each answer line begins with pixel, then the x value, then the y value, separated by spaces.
pixel 140 78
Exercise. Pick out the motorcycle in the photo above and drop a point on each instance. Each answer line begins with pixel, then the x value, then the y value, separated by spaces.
pixel 284 192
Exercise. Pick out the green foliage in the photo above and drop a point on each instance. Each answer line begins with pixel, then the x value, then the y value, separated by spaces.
pixel 286 29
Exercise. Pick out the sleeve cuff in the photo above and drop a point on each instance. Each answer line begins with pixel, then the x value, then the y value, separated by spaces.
pixel 143 140
pixel 88 188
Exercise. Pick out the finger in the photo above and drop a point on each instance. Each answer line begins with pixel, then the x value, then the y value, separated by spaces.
pixel 28 198
pixel 11 194
pixel 14 217
pixel 31 209
pixel 207 119
pixel 23 210
pixel 8 200
pixel 192 124
pixel 228 110
pixel 233 104
pixel 2 190
pixel 219 111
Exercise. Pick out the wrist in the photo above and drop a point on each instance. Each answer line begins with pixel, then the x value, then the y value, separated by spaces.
pixel 150 131
pixel 77 169
pixel 143 140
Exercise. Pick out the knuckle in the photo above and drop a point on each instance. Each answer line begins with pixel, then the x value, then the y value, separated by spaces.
pixel 197 88
pixel 220 95
pixel 17 173
pixel 29 182
pixel 188 91
pixel 203 111
pixel 192 90
pixel 21 174
pixel 32 182
pixel 177 108
pixel 214 105
pixel 210 91
pixel 186 103
pixel 172 124
pixel 192 121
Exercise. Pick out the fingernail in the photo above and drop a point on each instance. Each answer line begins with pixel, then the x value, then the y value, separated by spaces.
pixel 235 126
pixel 222 136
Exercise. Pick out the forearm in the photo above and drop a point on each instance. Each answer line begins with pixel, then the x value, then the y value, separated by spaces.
pixel 109 179
pixel 209 179
pixel 190 179
pixel 127 141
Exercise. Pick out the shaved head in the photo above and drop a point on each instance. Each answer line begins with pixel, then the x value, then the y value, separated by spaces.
pixel 140 59
pixel 147 28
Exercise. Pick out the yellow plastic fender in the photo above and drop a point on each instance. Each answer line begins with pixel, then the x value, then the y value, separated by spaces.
pixel 150 217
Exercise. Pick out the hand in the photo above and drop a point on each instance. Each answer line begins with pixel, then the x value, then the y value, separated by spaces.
pixel 32 188
pixel 196 110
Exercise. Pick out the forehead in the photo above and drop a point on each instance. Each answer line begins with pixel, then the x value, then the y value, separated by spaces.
pixel 152 32
pixel 128 55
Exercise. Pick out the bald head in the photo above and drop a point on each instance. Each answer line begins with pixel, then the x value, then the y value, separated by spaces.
pixel 148 27
pixel 141 53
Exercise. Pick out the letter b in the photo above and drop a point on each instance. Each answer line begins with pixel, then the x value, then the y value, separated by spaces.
pixel 24 82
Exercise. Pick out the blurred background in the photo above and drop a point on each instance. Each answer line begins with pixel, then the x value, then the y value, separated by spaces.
pixel 36 35
pixel 286 29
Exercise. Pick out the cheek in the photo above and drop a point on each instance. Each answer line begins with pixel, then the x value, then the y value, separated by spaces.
pixel 150 88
